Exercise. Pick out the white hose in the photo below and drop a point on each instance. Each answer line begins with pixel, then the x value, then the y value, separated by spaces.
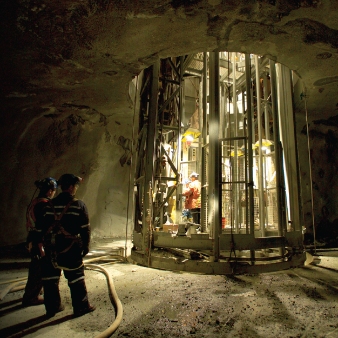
pixel 9 288
pixel 119 309
pixel 18 288
pixel 13 280
pixel 96 259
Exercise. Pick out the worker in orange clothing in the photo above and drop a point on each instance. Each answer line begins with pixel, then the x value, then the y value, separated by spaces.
pixel 193 197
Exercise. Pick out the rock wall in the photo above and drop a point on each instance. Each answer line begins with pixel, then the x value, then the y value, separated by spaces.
pixel 324 159
pixel 78 140
pixel 66 69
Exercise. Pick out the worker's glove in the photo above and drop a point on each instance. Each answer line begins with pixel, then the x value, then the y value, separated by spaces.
pixel 85 251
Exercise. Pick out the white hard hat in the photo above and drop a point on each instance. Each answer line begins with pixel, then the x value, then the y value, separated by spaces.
pixel 193 174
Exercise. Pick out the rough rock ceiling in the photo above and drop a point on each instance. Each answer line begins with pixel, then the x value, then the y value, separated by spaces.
pixel 66 68
pixel 72 47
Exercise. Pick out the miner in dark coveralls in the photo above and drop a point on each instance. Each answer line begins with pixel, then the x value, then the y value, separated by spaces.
pixel 35 212
pixel 66 242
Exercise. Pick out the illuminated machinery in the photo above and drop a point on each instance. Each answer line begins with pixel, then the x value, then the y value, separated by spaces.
pixel 228 117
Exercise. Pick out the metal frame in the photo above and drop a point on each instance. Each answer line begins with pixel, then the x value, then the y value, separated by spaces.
pixel 158 179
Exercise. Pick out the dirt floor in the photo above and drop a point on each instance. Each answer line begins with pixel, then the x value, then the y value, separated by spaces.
pixel 300 302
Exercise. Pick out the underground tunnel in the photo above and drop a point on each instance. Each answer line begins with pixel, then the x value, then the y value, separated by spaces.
pixel 135 97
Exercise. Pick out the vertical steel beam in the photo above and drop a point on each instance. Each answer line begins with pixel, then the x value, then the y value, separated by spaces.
pixel 214 150
pixel 288 138
pixel 245 134
pixel 150 157
pixel 276 139
pixel 260 152
pixel 250 152
pixel 300 206
pixel 266 110
pixel 250 140
pixel 267 137
pixel 204 141
pixel 180 116
pixel 235 176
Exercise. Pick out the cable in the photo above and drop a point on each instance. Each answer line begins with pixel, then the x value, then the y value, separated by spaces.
pixel 150 210
pixel 117 303
pixel 30 203
pixel 130 171
pixel 310 169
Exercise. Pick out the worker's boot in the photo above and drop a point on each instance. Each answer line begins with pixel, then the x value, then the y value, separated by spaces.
pixel 80 301
pixel 34 285
pixel 52 297
pixel 33 301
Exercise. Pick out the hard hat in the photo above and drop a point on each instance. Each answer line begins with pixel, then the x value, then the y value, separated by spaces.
pixel 193 174
pixel 46 184
pixel 69 179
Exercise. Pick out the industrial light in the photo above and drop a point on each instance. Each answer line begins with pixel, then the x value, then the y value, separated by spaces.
pixel 189 138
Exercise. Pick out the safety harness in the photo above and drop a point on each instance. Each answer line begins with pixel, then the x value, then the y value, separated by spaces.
pixel 30 216
pixel 56 239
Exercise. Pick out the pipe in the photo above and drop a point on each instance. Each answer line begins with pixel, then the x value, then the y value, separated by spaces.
pixel 118 305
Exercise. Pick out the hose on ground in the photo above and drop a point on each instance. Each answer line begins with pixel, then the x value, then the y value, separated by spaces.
pixel 20 284
pixel 13 280
pixel 10 287
pixel 117 303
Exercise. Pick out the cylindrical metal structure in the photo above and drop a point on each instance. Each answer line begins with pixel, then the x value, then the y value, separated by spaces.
pixel 244 158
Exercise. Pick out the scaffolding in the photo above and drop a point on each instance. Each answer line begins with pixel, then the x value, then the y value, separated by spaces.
pixel 228 117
